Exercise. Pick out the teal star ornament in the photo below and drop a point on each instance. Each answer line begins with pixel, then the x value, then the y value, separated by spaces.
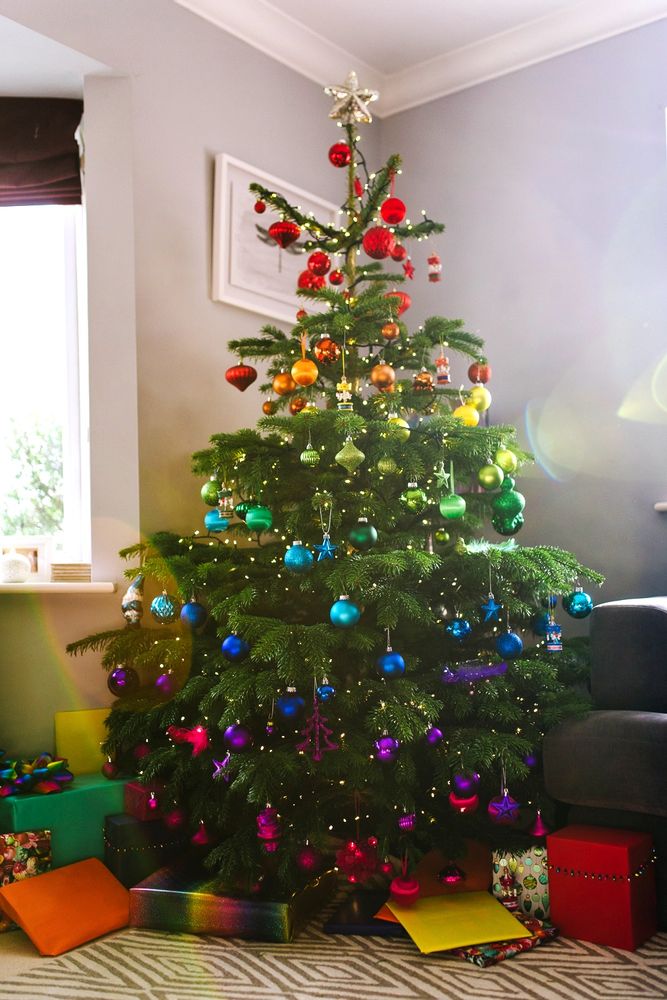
pixel 491 609
pixel 351 102
pixel 326 550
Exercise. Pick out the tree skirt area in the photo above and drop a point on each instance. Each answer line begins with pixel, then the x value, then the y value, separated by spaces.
pixel 139 964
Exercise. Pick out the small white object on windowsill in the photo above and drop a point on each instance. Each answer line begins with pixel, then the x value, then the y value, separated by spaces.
pixel 14 567
pixel 660 505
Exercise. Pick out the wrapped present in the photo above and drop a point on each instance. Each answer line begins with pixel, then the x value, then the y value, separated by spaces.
pixel 43 775
pixel 483 955
pixel 133 849
pixel 531 879
pixel 175 899
pixel 602 885
pixel 23 855
pixel 76 819
pixel 79 737
pixel 142 801
pixel 356 915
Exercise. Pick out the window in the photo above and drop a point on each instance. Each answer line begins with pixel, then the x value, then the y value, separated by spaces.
pixel 44 474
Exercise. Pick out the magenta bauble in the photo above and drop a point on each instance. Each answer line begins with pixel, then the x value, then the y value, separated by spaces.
pixel 404 890
pixel 309 860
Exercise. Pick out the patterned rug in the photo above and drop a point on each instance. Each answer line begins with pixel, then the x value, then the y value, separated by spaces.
pixel 152 965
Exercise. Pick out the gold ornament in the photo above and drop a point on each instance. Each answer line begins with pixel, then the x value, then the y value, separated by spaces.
pixel 423 381
pixel 305 372
pixel 350 457
pixel 480 397
pixel 350 102
pixel 390 331
pixel 283 384
pixel 383 376
pixel 344 395
pixel 296 405
pixel 268 407
pixel 467 414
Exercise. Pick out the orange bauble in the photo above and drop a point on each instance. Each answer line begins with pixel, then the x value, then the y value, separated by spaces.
pixel 297 404
pixel 326 351
pixel 390 331
pixel 382 376
pixel 268 407
pixel 283 384
pixel 304 372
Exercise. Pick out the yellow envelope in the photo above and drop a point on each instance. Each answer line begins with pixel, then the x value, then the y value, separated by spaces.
pixel 443 922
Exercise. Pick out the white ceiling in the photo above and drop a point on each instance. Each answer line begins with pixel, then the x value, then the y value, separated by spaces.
pixel 35 66
pixel 416 50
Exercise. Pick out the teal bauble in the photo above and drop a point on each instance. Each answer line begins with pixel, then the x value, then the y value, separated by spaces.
pixel 298 559
pixel 259 518
pixel 344 613
pixel 578 604
pixel 507 526
pixel 490 476
pixel 509 503
pixel 243 507
pixel 165 608
pixel 210 491
pixel 452 506
pixel 215 521
pixel 363 536
pixel 413 499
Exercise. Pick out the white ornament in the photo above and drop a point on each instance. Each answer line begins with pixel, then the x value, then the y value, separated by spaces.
pixel 14 567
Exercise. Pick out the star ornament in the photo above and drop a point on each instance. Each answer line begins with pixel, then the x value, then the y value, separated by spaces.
pixel 326 550
pixel 351 102
pixel 491 609
pixel 442 477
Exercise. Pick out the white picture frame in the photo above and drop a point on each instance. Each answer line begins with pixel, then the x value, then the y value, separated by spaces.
pixel 247 272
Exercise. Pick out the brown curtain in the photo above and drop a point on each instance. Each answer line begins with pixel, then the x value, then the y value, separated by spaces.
pixel 39 156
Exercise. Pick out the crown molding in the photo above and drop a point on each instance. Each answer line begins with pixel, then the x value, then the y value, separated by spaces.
pixel 268 29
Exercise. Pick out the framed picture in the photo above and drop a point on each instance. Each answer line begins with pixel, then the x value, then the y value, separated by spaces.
pixel 37 548
pixel 249 268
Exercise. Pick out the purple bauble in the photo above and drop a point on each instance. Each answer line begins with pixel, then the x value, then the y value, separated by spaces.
pixel 466 784
pixel 530 759
pixel 504 809
pixel 434 736
pixel 165 686
pixel 386 748
pixel 122 681
pixel 237 738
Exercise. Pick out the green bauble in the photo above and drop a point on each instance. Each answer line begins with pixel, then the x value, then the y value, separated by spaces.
pixel 363 536
pixel 508 484
pixel 398 428
pixel 413 499
pixel 506 459
pixel 350 457
pixel 387 466
pixel 441 536
pixel 310 456
pixel 259 518
pixel 509 503
pixel 242 508
pixel 507 525
pixel 490 476
pixel 210 491
pixel 452 506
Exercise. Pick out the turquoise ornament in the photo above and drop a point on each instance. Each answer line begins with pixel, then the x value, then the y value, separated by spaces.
pixel 298 559
pixel 578 604
pixel 215 521
pixel 259 518
pixel 165 608
pixel 344 613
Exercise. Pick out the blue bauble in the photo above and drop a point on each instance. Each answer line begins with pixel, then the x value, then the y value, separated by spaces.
pixel 326 691
pixel 578 604
pixel 215 521
pixel 550 601
pixel 193 614
pixel 459 628
pixel 509 645
pixel 391 664
pixel 539 623
pixel 164 608
pixel 234 648
pixel 298 559
pixel 344 613
pixel 290 704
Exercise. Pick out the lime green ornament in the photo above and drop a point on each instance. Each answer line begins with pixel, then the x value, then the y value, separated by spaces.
pixel 452 506
pixel 508 504
pixel 387 466
pixel 310 456
pixel 350 457
pixel 413 499
pixel 398 428
pixel 441 536
pixel 259 518
pixel 210 491
pixel 490 476
pixel 507 460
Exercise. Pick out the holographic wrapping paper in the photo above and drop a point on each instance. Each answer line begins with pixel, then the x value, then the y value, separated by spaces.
pixel 174 900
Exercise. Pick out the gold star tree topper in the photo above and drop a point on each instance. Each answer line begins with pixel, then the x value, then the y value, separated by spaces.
pixel 351 102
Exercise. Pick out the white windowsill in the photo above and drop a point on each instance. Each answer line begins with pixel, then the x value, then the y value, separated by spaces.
pixel 44 587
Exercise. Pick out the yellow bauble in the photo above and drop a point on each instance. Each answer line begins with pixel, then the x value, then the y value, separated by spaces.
pixel 400 428
pixel 507 460
pixel 480 397
pixel 305 371
pixel 310 408
pixel 467 414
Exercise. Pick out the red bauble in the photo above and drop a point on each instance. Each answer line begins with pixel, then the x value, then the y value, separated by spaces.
pixel 378 242
pixel 358 861
pixel 109 769
pixel 386 868
pixel 399 253
pixel 260 207
pixel 393 211
pixel 340 154
pixel 309 859
pixel 336 277
pixel 241 376
pixel 301 314
pixel 404 890
pixel 326 351
pixel 319 262
pixel 402 298
pixel 464 804
pixel 174 819
pixel 480 371
pixel 309 280
pixel 284 232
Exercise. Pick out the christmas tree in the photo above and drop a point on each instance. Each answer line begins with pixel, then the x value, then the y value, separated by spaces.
pixel 335 671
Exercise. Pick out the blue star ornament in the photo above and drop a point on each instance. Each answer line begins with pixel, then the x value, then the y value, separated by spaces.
pixel 326 550
pixel 491 609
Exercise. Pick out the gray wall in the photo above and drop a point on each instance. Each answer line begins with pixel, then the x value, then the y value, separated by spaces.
pixel 553 185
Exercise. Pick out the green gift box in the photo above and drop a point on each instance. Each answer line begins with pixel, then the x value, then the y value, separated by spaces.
pixel 175 899
pixel 74 816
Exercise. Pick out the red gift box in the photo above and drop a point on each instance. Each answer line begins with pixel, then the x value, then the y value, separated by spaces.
pixel 143 801
pixel 602 885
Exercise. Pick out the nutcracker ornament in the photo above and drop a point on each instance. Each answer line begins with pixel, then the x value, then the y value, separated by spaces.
pixel 434 268
pixel 442 375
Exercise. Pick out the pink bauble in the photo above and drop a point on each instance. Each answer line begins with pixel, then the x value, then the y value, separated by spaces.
pixel 309 859
pixel 404 890
pixel 463 805
pixel 174 819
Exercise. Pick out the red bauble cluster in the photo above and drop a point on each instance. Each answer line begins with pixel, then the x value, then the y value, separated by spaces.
pixel 340 154
pixel 309 280
pixel 284 232
pixel 336 277
pixel 319 262
pixel 241 376
pixel 358 861
pixel 378 242
pixel 393 211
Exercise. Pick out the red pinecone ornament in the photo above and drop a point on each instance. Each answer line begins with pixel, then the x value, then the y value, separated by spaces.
pixel 309 280
pixel 378 242
pixel 241 376
pixel 402 299
pixel 393 211
pixel 284 232
pixel 319 262
pixel 340 154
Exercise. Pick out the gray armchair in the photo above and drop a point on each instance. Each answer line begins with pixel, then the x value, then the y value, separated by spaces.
pixel 609 768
